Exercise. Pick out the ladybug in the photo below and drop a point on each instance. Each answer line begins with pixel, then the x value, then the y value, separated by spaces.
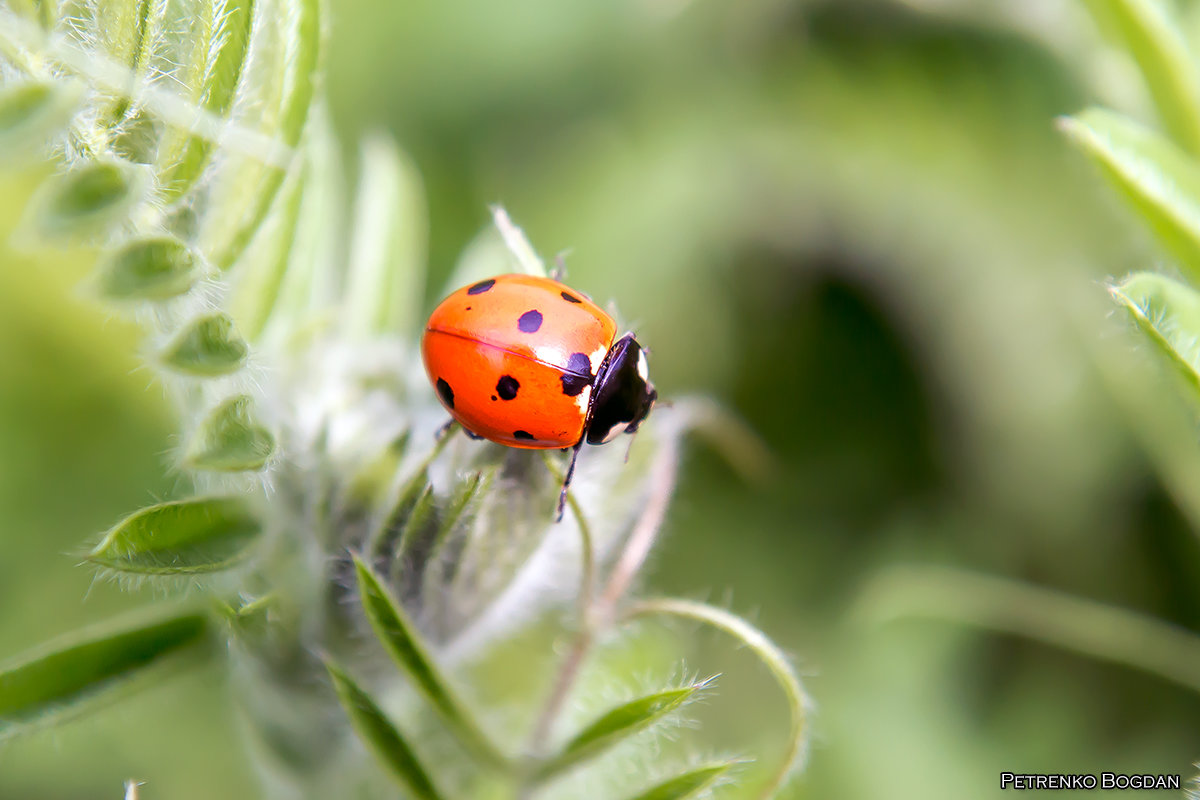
pixel 528 362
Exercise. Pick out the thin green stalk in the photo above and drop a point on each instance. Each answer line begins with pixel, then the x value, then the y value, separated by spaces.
pixel 771 656
pixel 1093 629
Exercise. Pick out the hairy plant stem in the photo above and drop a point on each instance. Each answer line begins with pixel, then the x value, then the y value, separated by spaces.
pixel 598 614
pixel 770 655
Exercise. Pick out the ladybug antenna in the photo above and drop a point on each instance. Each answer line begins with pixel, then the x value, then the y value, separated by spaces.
pixel 566 484
pixel 560 265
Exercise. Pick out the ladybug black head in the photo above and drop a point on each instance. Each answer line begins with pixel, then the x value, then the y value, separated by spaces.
pixel 623 393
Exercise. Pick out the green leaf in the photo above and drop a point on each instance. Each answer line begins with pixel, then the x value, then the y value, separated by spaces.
pixel 49 686
pixel 229 440
pixel 208 345
pixel 260 277
pixel 38 11
pixel 284 277
pixel 1155 177
pixel 315 254
pixel 368 486
pixel 378 732
pixel 154 268
pixel 1149 32
pixel 301 31
pixel 617 725
pixel 32 113
pixel 383 538
pixel 249 620
pixel 457 511
pixel 418 527
pixel 404 644
pixel 89 200
pixel 121 28
pixel 1168 313
pixel 689 784
pixel 184 536
pixel 221 48
pixel 385 277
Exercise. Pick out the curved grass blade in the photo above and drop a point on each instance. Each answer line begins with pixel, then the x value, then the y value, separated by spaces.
pixel 154 268
pixel 1168 313
pixel 180 537
pixel 381 736
pixel 687 785
pixel 229 440
pixel 1094 630
pixel 208 345
pixel 49 686
pixel 404 644
pixel 617 725
pixel 1155 177
pixel 770 655
pixel 1153 38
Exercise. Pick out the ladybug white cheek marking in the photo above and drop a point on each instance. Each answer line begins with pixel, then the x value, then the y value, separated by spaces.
pixel 643 370
pixel 596 358
pixel 616 431
pixel 582 399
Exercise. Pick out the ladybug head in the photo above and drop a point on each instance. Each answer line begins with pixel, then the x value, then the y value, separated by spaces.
pixel 623 393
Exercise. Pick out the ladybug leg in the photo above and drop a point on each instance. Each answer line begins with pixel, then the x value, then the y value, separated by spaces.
pixel 444 430
pixel 629 448
pixel 566 485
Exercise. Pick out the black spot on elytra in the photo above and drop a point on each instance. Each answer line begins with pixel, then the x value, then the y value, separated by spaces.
pixel 446 393
pixel 570 298
pixel 468 308
pixel 527 436
pixel 530 321
pixel 482 286
pixel 494 398
pixel 507 387
pixel 580 363
pixel 573 385
pixel 579 377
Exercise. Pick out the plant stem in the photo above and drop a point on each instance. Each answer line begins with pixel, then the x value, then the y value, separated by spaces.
pixel 633 557
pixel 1094 629
pixel 771 656
pixel 599 615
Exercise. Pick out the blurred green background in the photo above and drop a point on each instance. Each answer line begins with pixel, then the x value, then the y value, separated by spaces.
pixel 850 222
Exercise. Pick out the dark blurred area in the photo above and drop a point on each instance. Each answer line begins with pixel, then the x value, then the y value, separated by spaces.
pixel 854 225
